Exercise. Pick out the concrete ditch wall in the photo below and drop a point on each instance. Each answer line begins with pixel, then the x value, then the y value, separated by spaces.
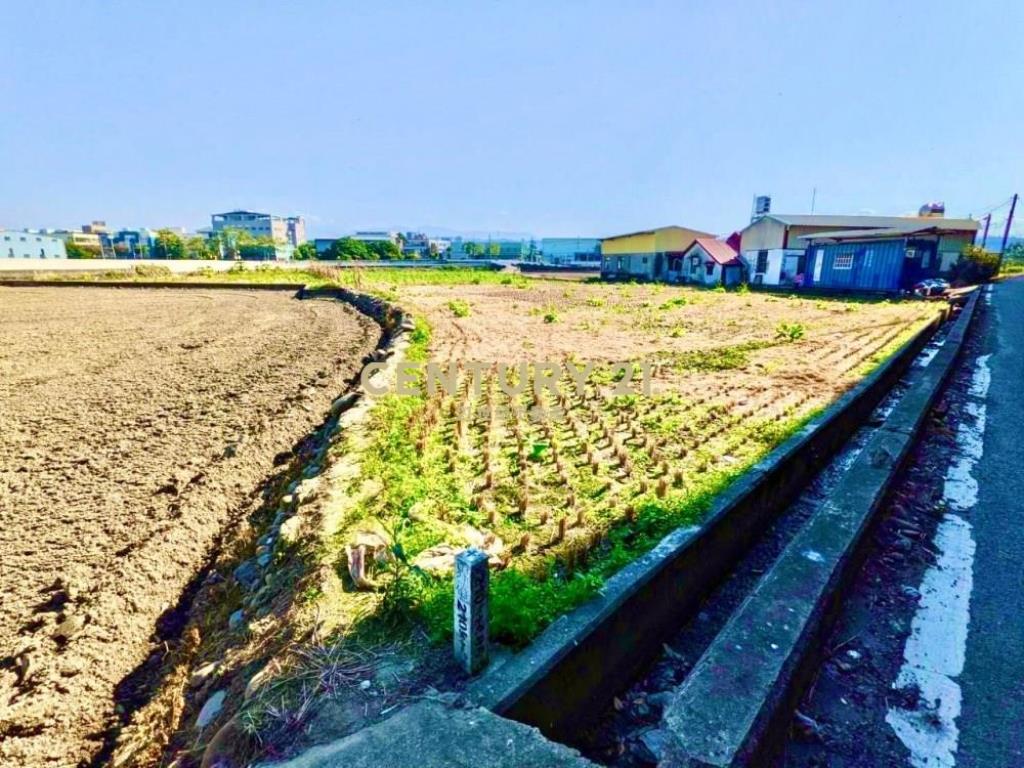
pixel 574 668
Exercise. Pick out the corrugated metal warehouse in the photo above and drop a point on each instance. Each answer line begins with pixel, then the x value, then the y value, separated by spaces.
pixel 889 259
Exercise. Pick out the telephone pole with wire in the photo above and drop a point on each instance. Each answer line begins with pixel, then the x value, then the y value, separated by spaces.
pixel 1006 232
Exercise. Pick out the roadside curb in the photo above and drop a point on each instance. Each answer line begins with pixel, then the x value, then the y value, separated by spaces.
pixel 733 708
pixel 566 676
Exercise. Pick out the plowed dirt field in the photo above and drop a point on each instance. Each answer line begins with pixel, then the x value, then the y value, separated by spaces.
pixel 133 423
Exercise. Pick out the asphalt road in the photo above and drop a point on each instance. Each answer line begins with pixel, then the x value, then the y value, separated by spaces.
pixel 992 719
pixel 925 667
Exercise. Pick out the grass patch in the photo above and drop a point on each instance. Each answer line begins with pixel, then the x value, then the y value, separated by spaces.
pixel 732 357
pixel 459 308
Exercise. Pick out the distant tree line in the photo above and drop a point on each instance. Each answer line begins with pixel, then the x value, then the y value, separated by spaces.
pixel 231 243
pixel 350 249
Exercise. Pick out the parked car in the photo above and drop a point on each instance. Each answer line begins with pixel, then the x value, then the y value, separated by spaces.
pixel 932 287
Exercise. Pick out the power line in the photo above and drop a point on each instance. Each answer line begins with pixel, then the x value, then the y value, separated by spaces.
pixel 994 208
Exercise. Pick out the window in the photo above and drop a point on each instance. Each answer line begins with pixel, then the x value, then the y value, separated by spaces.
pixel 843 261
pixel 762 261
pixel 710 266
pixel 694 264
pixel 926 259
pixel 868 257
pixel 643 260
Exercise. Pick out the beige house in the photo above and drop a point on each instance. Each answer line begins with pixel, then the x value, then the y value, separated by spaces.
pixel 645 255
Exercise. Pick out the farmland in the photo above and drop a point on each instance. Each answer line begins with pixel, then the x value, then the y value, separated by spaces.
pixel 654 399
pixel 565 486
pixel 136 424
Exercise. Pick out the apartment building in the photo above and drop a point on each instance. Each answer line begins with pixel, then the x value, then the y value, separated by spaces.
pixel 280 229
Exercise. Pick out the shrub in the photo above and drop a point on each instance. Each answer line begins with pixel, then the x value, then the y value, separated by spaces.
pixel 976 265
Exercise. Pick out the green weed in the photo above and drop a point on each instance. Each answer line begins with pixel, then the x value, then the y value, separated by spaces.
pixel 459 308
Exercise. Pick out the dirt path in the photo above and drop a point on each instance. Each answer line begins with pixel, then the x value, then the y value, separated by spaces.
pixel 133 423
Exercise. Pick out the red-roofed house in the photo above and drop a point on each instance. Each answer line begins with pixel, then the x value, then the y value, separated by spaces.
pixel 708 262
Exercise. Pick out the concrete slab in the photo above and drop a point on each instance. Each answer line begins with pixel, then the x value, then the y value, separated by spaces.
pixel 431 735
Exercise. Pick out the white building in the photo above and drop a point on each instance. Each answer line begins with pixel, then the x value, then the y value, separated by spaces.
pixel 571 251
pixel 26 244
pixel 280 229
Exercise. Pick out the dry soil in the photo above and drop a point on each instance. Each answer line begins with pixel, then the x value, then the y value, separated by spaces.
pixel 133 423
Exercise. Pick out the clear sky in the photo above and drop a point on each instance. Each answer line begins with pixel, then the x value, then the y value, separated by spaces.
pixel 553 118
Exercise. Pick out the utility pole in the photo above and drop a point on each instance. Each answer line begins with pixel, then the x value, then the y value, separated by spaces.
pixel 1006 232
pixel 814 197
pixel 984 237
pixel 1009 221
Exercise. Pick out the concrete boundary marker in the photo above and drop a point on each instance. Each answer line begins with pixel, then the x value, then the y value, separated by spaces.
pixel 733 708
pixel 566 676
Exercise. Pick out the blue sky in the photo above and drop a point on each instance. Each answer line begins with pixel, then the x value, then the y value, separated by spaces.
pixel 554 118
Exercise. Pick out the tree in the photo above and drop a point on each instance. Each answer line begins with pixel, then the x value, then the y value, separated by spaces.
pixel 199 247
pixel 305 252
pixel 975 265
pixel 231 241
pixel 78 251
pixel 348 249
pixel 168 245
pixel 384 250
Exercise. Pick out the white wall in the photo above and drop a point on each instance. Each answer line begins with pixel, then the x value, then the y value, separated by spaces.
pixel 16 245
pixel 775 257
